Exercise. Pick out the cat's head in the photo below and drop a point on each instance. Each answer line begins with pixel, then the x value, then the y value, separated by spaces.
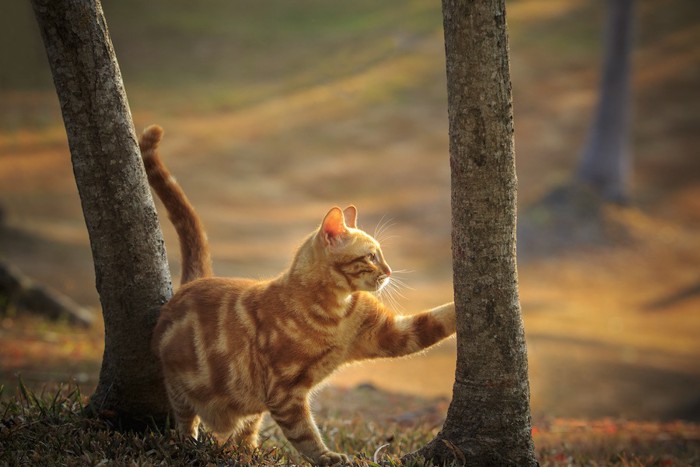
pixel 352 257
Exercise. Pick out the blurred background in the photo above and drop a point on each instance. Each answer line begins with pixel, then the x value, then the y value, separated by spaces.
pixel 276 111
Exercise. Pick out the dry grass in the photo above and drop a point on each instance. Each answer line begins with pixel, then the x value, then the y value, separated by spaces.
pixel 52 430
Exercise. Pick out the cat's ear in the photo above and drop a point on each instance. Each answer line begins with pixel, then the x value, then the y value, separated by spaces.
pixel 351 216
pixel 333 228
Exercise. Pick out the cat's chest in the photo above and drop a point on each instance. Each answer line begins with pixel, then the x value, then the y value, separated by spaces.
pixel 312 349
pixel 305 356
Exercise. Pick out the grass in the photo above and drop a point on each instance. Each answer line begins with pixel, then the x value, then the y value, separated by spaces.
pixel 51 429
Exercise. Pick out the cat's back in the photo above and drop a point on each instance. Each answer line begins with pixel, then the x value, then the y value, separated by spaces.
pixel 204 304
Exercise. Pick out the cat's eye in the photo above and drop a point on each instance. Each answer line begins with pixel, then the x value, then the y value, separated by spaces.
pixel 372 257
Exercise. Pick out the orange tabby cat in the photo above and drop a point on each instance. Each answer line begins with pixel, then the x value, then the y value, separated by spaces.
pixel 232 349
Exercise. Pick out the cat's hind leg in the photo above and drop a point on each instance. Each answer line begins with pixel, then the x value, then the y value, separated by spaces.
pixel 186 418
pixel 227 424
pixel 242 431
pixel 247 435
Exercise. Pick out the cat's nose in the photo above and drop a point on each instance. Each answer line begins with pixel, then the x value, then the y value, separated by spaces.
pixel 387 271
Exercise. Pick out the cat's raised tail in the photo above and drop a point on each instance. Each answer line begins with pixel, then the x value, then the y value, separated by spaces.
pixel 194 247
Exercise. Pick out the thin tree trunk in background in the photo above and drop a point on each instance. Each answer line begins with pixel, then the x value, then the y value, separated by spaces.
pixel 488 421
pixel 131 269
pixel 605 161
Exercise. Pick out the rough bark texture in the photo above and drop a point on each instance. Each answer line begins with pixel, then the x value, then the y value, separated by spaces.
pixel 130 265
pixel 605 161
pixel 488 421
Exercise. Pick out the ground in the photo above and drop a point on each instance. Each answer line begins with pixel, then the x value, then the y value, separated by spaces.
pixel 267 127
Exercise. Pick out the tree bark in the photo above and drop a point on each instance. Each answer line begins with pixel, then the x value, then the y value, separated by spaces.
pixel 488 421
pixel 131 269
pixel 605 161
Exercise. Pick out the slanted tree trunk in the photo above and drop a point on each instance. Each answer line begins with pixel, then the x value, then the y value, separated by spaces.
pixel 488 421
pixel 131 269
pixel 605 161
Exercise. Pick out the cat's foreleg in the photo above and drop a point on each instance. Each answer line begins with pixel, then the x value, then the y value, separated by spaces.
pixel 295 419
pixel 414 333
pixel 388 335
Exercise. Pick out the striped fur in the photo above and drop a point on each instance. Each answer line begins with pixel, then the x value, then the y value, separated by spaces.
pixel 232 349
pixel 194 248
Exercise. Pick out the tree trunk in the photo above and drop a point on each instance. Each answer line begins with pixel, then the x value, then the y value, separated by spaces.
pixel 488 421
pixel 605 161
pixel 131 269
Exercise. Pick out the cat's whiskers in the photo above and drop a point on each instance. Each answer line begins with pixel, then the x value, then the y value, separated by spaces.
pixel 383 282
pixel 386 240
pixel 377 228
pixel 398 272
pixel 393 295
pixel 382 226
pixel 390 292
pixel 395 289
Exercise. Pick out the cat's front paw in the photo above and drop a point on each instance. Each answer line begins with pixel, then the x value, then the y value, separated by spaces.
pixel 332 458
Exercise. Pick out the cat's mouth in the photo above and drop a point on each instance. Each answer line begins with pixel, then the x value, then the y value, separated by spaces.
pixel 382 282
